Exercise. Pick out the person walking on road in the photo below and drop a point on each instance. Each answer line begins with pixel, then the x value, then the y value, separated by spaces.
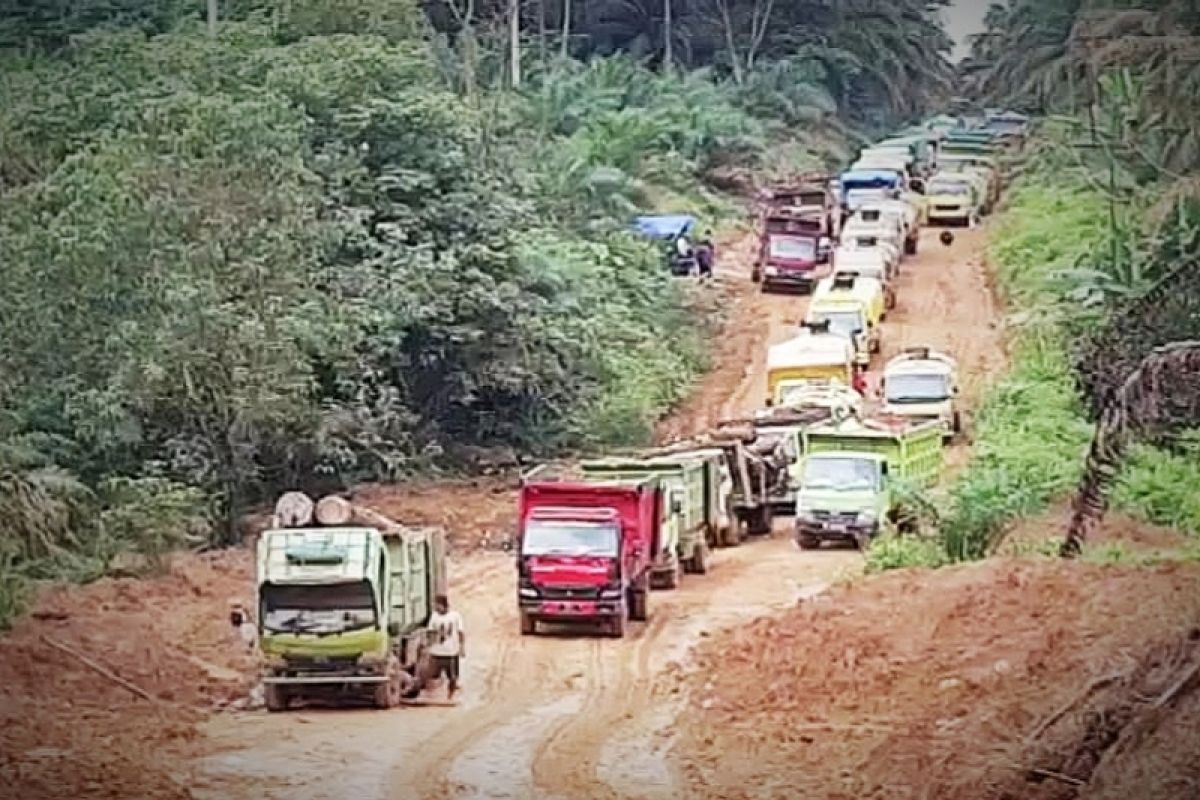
pixel 449 643
pixel 706 253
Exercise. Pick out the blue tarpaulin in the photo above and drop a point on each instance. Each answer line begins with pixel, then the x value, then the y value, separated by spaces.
pixel 666 226
pixel 868 179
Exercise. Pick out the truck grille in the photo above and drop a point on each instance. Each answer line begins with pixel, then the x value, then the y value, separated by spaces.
pixel 570 593
pixel 947 208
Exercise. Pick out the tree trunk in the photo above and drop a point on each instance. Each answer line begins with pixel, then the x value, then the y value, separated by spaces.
pixel 735 60
pixel 212 18
pixel 668 54
pixel 565 44
pixel 514 41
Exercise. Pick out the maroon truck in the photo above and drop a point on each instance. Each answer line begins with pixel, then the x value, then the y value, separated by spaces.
pixel 792 253
pixel 585 549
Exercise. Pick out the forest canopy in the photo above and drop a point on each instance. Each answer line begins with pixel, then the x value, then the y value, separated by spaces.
pixel 335 242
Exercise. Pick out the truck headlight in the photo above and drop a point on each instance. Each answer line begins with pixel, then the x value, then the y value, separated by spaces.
pixel 610 594
pixel 524 592
pixel 806 515
pixel 867 518
pixel 772 271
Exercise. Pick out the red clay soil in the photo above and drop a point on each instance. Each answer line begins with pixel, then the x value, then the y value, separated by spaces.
pixel 65 731
pixel 921 684
pixel 473 512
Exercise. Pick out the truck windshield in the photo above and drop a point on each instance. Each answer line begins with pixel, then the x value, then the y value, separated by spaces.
pixel 543 538
pixel 793 247
pixel 841 474
pixel 917 388
pixel 856 197
pixel 842 323
pixel 318 609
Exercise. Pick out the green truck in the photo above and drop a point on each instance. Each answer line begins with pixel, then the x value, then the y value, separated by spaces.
pixel 342 610
pixel 694 484
pixel 850 471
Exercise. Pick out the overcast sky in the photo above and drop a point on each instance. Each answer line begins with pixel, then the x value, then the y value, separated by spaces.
pixel 963 18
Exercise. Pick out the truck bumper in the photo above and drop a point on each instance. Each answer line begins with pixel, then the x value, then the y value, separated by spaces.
pixel 802 283
pixel 571 610
pixel 807 531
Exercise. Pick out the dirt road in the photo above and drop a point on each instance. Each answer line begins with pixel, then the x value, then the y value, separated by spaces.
pixel 566 716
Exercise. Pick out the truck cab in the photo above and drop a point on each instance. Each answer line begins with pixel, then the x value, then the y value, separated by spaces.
pixel 850 317
pixel 792 252
pixel 842 497
pixel 956 198
pixel 586 548
pixel 921 383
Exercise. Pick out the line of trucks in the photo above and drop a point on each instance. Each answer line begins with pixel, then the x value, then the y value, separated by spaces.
pixel 344 594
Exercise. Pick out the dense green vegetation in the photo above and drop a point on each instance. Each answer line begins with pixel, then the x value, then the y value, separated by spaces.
pixel 318 243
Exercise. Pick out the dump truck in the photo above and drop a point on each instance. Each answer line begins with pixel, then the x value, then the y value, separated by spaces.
pixel 851 317
pixel 849 474
pixel 693 482
pixel 921 383
pixel 343 603
pixel 587 547
pixel 777 436
pixel 813 355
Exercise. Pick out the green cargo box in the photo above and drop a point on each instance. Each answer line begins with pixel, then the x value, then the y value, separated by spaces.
pixel 693 480
pixel 913 449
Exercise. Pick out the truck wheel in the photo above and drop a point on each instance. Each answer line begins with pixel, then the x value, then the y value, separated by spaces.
pixel 699 561
pixel 808 542
pixel 387 694
pixel 615 627
pixel 910 246
pixel 638 604
pixel 731 534
pixel 760 521
pixel 276 697
pixel 528 624
pixel 670 580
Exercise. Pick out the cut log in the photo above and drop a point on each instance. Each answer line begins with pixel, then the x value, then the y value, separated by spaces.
pixel 334 510
pixel 293 510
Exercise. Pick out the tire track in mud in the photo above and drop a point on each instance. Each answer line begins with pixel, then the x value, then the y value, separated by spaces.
pixel 566 760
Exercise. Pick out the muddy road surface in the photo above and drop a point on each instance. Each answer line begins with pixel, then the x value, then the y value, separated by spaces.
pixel 564 714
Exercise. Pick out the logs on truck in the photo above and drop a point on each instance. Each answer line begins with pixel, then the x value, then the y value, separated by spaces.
pixel 344 597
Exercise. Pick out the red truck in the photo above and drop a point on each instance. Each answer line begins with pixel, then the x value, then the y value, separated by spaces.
pixel 792 252
pixel 586 548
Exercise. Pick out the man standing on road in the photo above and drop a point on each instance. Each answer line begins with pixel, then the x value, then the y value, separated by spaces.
pixel 449 643
pixel 705 255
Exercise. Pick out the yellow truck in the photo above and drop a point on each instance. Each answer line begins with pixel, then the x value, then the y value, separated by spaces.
pixel 852 306
pixel 813 356
pixel 956 197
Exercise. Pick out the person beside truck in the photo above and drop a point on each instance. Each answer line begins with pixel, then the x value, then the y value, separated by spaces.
pixel 448 643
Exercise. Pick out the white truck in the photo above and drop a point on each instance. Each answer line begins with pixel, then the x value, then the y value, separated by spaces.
pixel 922 383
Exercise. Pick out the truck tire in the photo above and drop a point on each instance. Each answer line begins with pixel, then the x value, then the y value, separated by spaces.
pixel 638 602
pixel 387 694
pixel 671 580
pixel 808 542
pixel 759 523
pixel 276 697
pixel 910 246
pixel 528 624
pixel 615 627
pixel 731 534
pixel 699 561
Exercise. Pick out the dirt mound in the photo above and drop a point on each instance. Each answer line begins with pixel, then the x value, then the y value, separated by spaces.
pixel 475 513
pixel 947 685
pixel 65 731
pixel 1114 529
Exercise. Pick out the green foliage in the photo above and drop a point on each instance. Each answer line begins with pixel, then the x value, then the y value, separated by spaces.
pixel 1029 435
pixel 895 551
pixel 1159 486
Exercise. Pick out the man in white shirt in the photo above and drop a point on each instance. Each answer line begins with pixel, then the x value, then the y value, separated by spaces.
pixel 448 642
